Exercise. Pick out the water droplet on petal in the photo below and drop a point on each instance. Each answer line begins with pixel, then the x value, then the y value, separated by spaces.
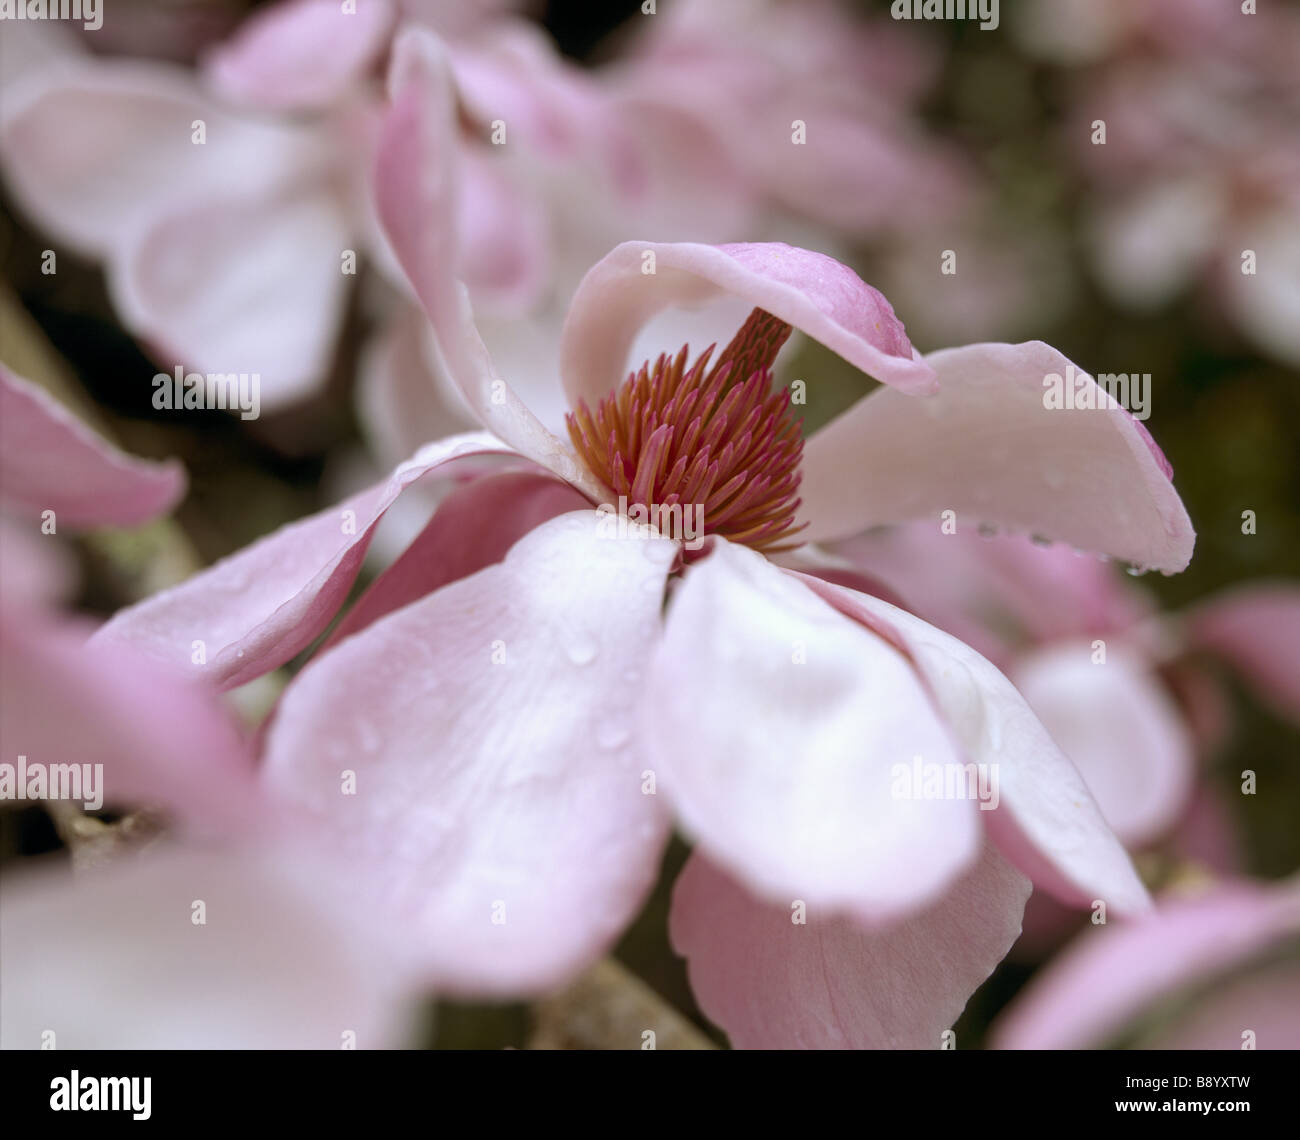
pixel 582 652
pixel 612 734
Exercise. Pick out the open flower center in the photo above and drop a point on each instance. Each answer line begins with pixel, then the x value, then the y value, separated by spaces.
pixel 717 439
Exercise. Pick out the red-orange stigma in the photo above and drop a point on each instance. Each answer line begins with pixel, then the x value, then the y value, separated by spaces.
pixel 715 438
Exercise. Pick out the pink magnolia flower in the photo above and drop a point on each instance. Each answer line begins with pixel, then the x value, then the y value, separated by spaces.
pixel 1215 970
pixel 510 693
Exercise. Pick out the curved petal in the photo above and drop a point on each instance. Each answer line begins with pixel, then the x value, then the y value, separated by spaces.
pixel 498 804
pixel 1256 630
pixel 160 738
pixel 996 594
pixel 1120 730
pixel 299 55
pixel 830 983
pixel 269 301
pixel 474 526
pixel 93 151
pixel 988 448
pixel 1106 979
pixel 253 611
pixel 778 728
pixel 816 294
pixel 1046 821
pixel 51 461
pixel 416 187
pixel 401 401
pixel 115 960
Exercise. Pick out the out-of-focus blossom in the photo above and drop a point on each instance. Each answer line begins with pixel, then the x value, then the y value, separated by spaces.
pixel 508 719
pixel 747 74
pixel 241 944
pixel 1198 179
pixel 1219 970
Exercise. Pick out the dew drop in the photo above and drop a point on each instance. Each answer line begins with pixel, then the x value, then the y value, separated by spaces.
pixel 582 652
pixel 612 734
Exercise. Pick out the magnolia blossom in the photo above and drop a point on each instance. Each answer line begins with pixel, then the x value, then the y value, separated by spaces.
pixel 493 734
pixel 1213 970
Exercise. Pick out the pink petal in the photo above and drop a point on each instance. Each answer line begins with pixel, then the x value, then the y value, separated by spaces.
pixel 1256 630
pixel 112 959
pixel 511 788
pixel 269 301
pixel 1111 974
pixel 254 610
pixel 51 461
pixel 416 185
pixel 1046 821
pixel 783 769
pixel 34 572
pixel 93 151
pixel 473 527
pixel 996 594
pixel 1119 728
pixel 300 54
pixel 161 738
pixel 987 448
pixel 812 292
pixel 401 400
pixel 834 984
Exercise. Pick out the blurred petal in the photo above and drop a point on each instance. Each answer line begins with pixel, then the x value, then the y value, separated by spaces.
pixel 268 302
pixel 1120 730
pixel 416 183
pixel 498 805
pixel 996 594
pixel 402 401
pixel 51 461
pixel 834 984
pixel 301 54
pixel 254 610
pixel 93 151
pixel 1256 630
pixel 1046 821
pixel 775 723
pixel 1111 974
pixel 816 294
pixel 162 738
pixel 114 959
pixel 987 448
